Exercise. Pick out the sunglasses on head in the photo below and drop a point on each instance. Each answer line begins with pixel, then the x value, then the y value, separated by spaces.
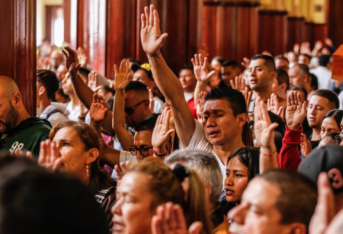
pixel 131 109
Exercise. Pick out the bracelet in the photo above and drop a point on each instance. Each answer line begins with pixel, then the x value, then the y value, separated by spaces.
pixel 158 154
pixel 81 118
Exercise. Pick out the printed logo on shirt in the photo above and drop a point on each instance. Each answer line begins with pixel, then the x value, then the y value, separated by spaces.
pixel 16 146
pixel 336 177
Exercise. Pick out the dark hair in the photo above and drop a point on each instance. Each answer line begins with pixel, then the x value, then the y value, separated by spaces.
pixel 237 104
pixel 331 138
pixel 303 68
pixel 232 64
pixel 133 61
pixel 274 118
pixel 42 202
pixel 330 95
pixel 137 86
pixel 49 81
pixel 299 88
pixel 268 61
pixel 148 124
pixel 60 92
pixel 250 157
pixel 219 59
pixel 298 195
pixel 337 115
pixel 108 89
pixel 282 77
pixel 323 60
pixel 110 103
pixel 314 81
pixel 281 57
pixel 278 137
pixel 187 67
pixel 307 56
pixel 84 72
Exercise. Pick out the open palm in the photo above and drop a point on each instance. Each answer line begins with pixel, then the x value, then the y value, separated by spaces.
pixel 200 68
pixel 296 110
pixel 162 132
pixel 151 37
pixel 98 109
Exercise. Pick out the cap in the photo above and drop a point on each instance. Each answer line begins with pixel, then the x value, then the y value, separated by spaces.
pixel 326 159
pixel 145 66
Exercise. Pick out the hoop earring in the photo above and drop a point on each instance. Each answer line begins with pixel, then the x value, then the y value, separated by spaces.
pixel 87 169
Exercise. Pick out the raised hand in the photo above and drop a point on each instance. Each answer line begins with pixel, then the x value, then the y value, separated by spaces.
pixel 169 219
pixel 201 72
pixel 263 127
pixel 162 132
pixel 125 166
pixel 98 109
pixel 151 36
pixel 18 153
pixel 122 76
pixel 328 42
pixel 48 156
pixel 305 48
pixel 245 63
pixel 93 80
pixel 203 51
pixel 274 106
pixel 151 100
pixel 305 146
pixel 325 209
pixel 71 56
pixel 296 48
pixel 247 96
pixel 318 45
pixel 81 55
pixel 239 83
pixel 296 110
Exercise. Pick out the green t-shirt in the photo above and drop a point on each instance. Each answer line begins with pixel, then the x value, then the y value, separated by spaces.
pixel 27 136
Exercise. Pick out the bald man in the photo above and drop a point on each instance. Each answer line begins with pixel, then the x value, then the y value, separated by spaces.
pixel 56 59
pixel 17 129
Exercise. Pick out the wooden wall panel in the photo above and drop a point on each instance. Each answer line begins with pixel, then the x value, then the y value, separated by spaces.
pixel 121 33
pixel 18 47
pixel 320 32
pixel 335 19
pixel 67 20
pixel 295 31
pixel 272 31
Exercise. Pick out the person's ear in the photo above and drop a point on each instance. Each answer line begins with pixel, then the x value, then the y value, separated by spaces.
pixel 273 75
pixel 92 155
pixel 242 119
pixel 41 90
pixel 16 99
pixel 168 147
pixel 283 87
pixel 297 228
pixel 305 78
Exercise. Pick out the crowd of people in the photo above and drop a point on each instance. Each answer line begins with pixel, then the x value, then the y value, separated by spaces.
pixel 218 149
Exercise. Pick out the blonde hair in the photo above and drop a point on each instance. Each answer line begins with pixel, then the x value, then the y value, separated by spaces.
pixel 166 187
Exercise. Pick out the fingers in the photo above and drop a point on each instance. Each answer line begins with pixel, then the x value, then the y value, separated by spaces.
pixel 156 20
pixel 42 152
pixel 143 21
pixel 232 84
pixel 180 217
pixel 210 74
pixel 151 17
pixel 29 154
pixel 146 11
pixel 162 38
pixel 57 164
pixel 156 225
pixel 272 127
pixel 118 171
pixel 53 153
pixel 195 228
pixel 115 69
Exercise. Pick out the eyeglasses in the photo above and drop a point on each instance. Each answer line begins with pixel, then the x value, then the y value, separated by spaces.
pixel 144 151
pixel 131 109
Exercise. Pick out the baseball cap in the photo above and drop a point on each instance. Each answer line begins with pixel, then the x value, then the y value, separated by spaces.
pixel 327 159
pixel 145 66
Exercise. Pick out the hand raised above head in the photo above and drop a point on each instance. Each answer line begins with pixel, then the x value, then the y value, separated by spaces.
pixel 151 36
pixel 98 108
pixel 71 56
pixel 201 72
pixel 122 76
pixel 296 110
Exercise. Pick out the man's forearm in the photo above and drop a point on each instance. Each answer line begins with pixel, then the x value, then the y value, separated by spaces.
pixel 82 91
pixel 200 87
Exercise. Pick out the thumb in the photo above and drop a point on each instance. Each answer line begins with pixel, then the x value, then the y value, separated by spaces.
pixel 272 127
pixel 162 38
pixel 195 228
pixel 210 74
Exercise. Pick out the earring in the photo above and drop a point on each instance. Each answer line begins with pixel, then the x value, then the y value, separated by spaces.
pixel 87 169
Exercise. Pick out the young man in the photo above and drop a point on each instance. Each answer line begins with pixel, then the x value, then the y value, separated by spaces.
pixel 188 82
pixel 18 130
pixel 47 86
pixel 281 62
pixel 225 114
pixel 144 75
pixel 281 83
pixel 229 70
pixel 321 102
pixel 278 201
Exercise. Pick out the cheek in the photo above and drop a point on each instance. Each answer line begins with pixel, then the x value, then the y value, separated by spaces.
pixel 73 160
pixel 241 184
pixel 137 218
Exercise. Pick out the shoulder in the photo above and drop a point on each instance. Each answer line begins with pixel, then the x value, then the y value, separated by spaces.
pixel 198 139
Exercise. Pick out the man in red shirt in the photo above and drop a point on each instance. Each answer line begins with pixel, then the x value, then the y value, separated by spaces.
pixel 188 82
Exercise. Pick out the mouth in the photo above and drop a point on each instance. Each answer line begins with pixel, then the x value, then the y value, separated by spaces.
pixel 229 192
pixel 117 226
pixel 311 119
pixel 213 134
pixel 253 81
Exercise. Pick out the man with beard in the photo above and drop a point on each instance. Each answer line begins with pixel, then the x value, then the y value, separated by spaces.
pixel 18 130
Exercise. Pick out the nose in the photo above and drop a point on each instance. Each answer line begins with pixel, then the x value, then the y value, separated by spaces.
pixel 210 122
pixel 312 110
pixel 252 72
pixel 116 208
pixel 238 214
pixel 229 180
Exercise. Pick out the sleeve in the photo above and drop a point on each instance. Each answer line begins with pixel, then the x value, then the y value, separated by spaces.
pixel 198 140
pixel 289 157
pixel 127 156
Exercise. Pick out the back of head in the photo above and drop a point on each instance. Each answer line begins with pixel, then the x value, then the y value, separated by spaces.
pixel 205 164
pixel 237 104
pixel 42 202
pixel 314 81
pixel 249 156
pixel 268 61
pixel 298 195
pixel 274 118
pixel 232 64
pixel 326 159
pixel 148 124
pixel 138 87
pixel 337 115
pixel 281 57
pixel 282 77
pixel 7 87
pixel 303 68
pixel 219 59
pixel 187 67
pixel 323 60
pixel 330 95
pixel 299 88
pixel 165 186
pixel 49 81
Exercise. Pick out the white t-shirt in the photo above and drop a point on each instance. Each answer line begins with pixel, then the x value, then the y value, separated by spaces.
pixel 73 113
pixel 199 141
pixel 159 105
pixel 324 77
pixel 55 113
